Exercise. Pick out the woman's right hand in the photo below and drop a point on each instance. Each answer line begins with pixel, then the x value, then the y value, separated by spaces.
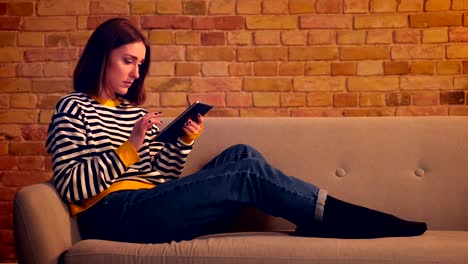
pixel 141 126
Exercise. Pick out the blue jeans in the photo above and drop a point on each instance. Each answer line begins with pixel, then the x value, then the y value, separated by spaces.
pixel 201 203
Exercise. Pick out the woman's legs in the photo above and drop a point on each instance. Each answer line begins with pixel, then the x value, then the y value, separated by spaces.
pixel 196 204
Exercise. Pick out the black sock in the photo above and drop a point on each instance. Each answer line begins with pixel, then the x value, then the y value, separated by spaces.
pixel 346 220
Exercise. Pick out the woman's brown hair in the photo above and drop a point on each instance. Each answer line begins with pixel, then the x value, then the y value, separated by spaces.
pixel 90 72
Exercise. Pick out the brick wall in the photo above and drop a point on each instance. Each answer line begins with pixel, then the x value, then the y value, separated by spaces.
pixel 247 57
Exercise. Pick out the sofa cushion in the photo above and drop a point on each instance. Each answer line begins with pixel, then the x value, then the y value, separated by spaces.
pixel 279 247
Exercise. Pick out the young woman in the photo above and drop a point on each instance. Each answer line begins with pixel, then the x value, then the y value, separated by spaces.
pixel 123 185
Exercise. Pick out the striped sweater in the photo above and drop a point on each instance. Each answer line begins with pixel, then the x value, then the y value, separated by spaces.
pixel 88 143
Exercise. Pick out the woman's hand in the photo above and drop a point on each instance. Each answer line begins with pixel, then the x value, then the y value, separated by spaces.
pixel 192 129
pixel 141 126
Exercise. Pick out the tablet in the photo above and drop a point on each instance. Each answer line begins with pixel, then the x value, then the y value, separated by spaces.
pixel 173 130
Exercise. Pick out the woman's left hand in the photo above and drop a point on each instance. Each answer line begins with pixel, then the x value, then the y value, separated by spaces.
pixel 192 129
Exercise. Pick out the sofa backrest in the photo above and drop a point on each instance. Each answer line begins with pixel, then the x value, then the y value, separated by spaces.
pixel 413 167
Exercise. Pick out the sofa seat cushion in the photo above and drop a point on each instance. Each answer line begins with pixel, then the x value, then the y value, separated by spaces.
pixel 279 247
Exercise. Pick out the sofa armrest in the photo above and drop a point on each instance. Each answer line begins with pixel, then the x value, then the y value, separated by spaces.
pixel 43 228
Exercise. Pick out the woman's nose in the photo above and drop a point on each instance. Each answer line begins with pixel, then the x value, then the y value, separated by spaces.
pixel 135 72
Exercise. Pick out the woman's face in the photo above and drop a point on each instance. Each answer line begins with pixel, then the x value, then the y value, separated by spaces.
pixel 122 69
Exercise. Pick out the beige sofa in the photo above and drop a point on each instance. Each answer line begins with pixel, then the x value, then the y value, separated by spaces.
pixel 414 167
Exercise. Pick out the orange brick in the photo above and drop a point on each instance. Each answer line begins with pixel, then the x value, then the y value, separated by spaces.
pixel 317 37
pixel 452 98
pixel 57 40
pixel 319 99
pixel 435 35
pixel 418 52
pixel 58 69
pixel 45 116
pixel 3 8
pixel 49 23
pixel 31 163
pixel 457 52
pixel 7 70
pixel 10 132
pixel 173 99
pixel 422 67
pixel 319 84
pixel 24 178
pixel 161 37
pixel 294 37
pixel 266 68
pixel 79 38
pixel 370 68
pixel 215 68
pixel 448 67
pixel 188 69
pixel 364 53
pixel 397 99
pixel 345 99
pixel 380 21
pixel 222 7
pixel 152 100
pixel 52 85
pixel 435 20
pixel 187 38
pixel 458 111
pixel 262 54
pixel 379 36
pixel 167 53
pixel 410 5
pixel 4 104
pixel 239 38
pixel 326 21
pixel 48 101
pixel 271 22
pixel 460 82
pixel 459 4
pixel 143 7
pixel 216 84
pixel 219 22
pixel 29 69
pixel 210 54
pixel 368 112
pixel 169 7
pixel 238 99
pixel 281 84
pixel 27 148
pixel 10 23
pixel 407 36
pixel 240 69
pixel 301 6
pixel 18 117
pixel 351 37
pixel 465 66
pixel 265 99
pixel 317 68
pixel 3 148
pixel 23 101
pixel 7 38
pixel 8 162
pixel 51 54
pixel 317 112
pixel 216 99
pixel 313 53
pixel 226 112
pixel 421 83
pixel 249 7
pixel 212 38
pixel 194 7
pixel 291 68
pixel 373 84
pixel 458 35
pixel 396 67
pixel 437 5
pixel 293 100
pixel 379 6
pixel 372 99
pixel 11 54
pixel 356 6
pixel 166 22
pixel 109 7
pixel 275 7
pixel 328 6
pixel 14 85
pixel 63 8
pixel 160 84
pixel 343 68
pixel 423 111
pixel 20 8
pixel 267 37
pixel 32 39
